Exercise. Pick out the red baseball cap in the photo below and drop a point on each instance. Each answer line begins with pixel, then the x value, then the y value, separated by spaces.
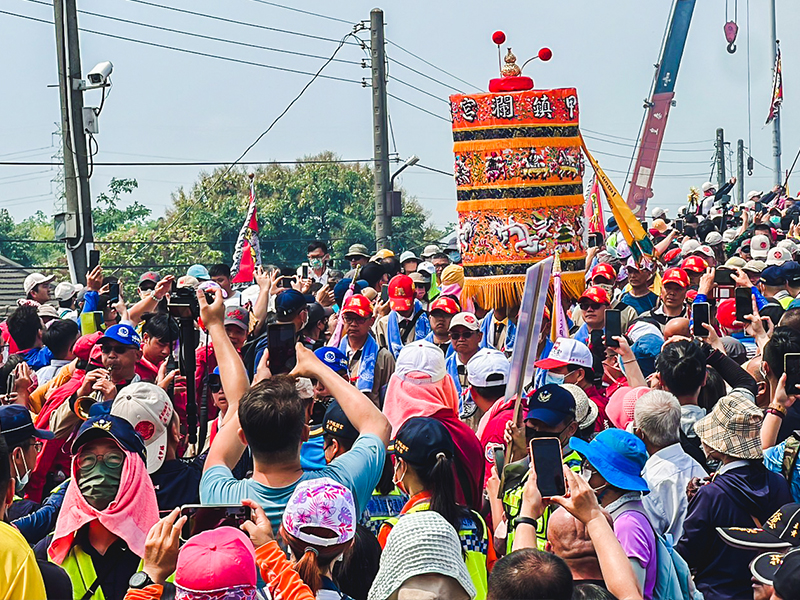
pixel 358 305
pixel 447 305
pixel 604 270
pixel 676 275
pixel 696 264
pixel 401 292
pixel 726 313
pixel 596 294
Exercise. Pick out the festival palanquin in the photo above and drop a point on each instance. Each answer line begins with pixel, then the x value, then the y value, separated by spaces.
pixel 519 180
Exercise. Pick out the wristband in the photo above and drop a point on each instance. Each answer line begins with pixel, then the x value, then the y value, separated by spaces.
pixel 525 521
pixel 779 408
pixel 627 362
pixel 776 412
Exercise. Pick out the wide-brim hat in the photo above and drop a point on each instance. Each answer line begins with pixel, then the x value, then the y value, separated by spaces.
pixel 618 456
pixel 733 427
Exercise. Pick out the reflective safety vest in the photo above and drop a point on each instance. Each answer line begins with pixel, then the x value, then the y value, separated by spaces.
pixel 474 536
pixel 512 503
pixel 382 507
pixel 80 569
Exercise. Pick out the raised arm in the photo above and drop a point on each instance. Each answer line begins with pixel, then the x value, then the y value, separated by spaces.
pixel 363 414
pixel 150 302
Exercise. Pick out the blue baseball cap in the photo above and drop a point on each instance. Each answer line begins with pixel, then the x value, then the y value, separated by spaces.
pixel 198 272
pixel 340 289
pixel 618 456
pixel 646 349
pixel 791 271
pixel 289 302
pixel 17 426
pixel 122 333
pixel 773 275
pixel 551 404
pixel 335 422
pixel 420 440
pixel 112 427
pixel 332 357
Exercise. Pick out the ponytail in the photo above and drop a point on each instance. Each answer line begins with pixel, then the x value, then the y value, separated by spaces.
pixel 441 483
pixel 308 569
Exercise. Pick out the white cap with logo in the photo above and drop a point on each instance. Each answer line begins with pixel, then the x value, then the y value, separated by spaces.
pixel 148 408
pixel 465 319
pixel 567 351
pixel 759 246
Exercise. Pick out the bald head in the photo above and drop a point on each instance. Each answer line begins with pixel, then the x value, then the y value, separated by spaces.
pixel 679 326
pixel 568 539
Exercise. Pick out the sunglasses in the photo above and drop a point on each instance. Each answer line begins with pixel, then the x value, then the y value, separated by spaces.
pixel 588 305
pixel 116 349
pixel 465 335
pixel 214 384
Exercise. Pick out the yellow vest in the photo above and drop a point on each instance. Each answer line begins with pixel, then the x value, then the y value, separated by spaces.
pixel 80 569
pixel 512 503
pixel 474 543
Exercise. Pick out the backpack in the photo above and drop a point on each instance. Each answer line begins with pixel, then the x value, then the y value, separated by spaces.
pixel 673 578
pixel 790 454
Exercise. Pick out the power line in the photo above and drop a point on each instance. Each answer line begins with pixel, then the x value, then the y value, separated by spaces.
pixel 674 162
pixel 243 23
pixel 427 168
pixel 618 137
pixel 268 129
pixel 413 87
pixel 201 36
pixel 421 74
pixel 192 163
pixel 433 114
pixel 185 50
pixel 649 146
pixel 430 64
pixel 305 12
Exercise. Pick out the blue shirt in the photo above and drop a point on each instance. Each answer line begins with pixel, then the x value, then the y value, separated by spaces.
pixel 358 469
pixel 773 460
pixel 640 304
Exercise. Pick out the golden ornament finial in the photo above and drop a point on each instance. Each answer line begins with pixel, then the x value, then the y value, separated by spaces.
pixel 510 69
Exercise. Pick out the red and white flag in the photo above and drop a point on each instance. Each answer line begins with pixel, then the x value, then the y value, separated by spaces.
pixel 247 254
pixel 593 209
pixel 777 89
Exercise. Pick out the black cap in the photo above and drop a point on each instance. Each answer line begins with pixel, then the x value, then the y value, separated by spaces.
pixel 420 440
pixel 110 426
pixel 787 579
pixel 289 302
pixel 780 531
pixel 764 566
pixel 317 312
pixel 336 423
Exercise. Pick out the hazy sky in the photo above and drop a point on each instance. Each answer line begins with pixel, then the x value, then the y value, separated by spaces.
pixel 168 105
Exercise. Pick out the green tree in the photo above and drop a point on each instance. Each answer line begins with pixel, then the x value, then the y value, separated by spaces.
pixel 297 203
pixel 108 217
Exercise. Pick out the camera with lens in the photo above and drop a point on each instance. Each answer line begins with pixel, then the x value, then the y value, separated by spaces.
pixel 183 304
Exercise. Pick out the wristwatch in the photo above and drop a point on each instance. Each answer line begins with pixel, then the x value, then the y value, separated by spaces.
pixel 140 580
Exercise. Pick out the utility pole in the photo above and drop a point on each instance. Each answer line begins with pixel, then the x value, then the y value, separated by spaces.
pixel 79 239
pixel 776 122
pixel 720 149
pixel 740 172
pixel 380 131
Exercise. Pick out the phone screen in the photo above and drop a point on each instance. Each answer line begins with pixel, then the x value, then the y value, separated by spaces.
pixel 744 303
pixel 546 456
pixel 94 259
pixel 499 460
pixel 282 353
pixel 791 366
pixel 204 518
pixel 679 225
pixel 385 294
pixel 613 327
pixel 305 270
pixel 286 282
pixel 723 277
pixel 113 293
pixel 700 315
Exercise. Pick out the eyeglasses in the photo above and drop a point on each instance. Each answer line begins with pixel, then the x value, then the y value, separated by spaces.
pixel 116 349
pixel 113 459
pixel 588 305
pixel 214 384
pixel 454 335
pixel 354 319
pixel 38 445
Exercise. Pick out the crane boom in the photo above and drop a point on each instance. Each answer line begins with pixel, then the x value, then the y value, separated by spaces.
pixel 658 105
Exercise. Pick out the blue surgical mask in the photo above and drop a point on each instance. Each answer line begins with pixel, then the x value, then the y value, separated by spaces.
pixel 555 378
pixel 775 220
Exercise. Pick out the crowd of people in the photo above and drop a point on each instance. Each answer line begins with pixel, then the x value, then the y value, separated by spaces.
pixel 174 446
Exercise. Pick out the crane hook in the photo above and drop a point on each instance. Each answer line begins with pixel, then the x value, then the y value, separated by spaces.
pixel 731 29
pixel 731 48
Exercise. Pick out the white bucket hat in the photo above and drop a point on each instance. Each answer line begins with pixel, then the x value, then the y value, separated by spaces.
pixel 421 543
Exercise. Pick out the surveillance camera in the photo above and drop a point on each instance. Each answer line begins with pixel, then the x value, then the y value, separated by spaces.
pixel 100 74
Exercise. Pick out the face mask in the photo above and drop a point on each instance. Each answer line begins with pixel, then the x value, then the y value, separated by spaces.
pixel 555 378
pixel 22 480
pixel 608 288
pixel 398 482
pixel 775 220
pixel 99 485
pixel 316 263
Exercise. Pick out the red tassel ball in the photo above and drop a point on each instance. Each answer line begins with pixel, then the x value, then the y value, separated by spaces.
pixel 545 54
pixel 498 37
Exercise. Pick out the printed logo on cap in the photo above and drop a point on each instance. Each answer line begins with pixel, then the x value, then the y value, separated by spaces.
pixel 544 397
pixel 102 424
pixel 330 356
pixel 470 318
pixel 145 429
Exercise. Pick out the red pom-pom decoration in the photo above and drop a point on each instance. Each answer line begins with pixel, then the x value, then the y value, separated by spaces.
pixel 498 37
pixel 545 54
